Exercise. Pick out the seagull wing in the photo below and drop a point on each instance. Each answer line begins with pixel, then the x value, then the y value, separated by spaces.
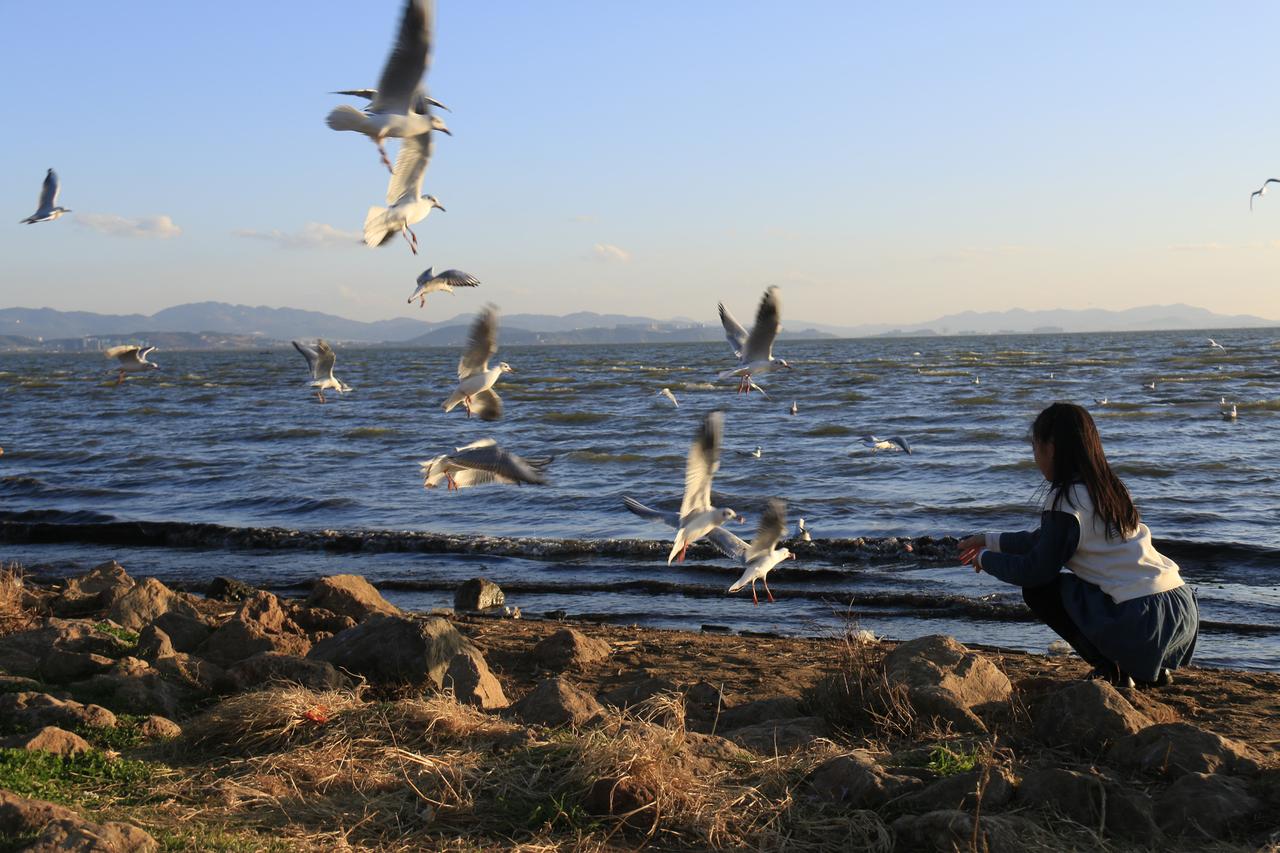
pixel 733 331
pixel 367 94
pixel 773 526
pixel 671 519
pixel 901 442
pixel 124 354
pixel 142 355
pixel 728 544
pixel 666 392
pixel 704 461
pixel 49 191
pixel 481 345
pixel 324 361
pixel 410 168
pixel 312 355
pixel 768 323
pixel 505 467
pixel 410 55
pixel 458 278
pixel 486 405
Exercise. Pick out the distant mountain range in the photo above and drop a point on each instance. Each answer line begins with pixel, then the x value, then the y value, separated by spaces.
pixel 217 325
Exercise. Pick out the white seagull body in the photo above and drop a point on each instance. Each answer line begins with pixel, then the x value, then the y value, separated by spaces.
pixel 47 208
pixel 1230 414
pixel 422 103
pixel 404 195
pixel 399 106
pixel 802 532
pixel 133 359
pixel 754 350
pixel 1261 191
pixel 475 377
pixel 892 443
pixel 1103 402
pixel 1150 386
pixel 1215 345
pixel 444 282
pixel 320 359
pixel 480 463
pixel 795 410
pixel 763 553
pixel 666 392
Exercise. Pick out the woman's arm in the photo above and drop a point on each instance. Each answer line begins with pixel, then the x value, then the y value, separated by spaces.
pixel 1051 547
pixel 1018 542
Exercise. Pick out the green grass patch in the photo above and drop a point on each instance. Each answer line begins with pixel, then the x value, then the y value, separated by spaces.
pixel 70 778
pixel 126 734
pixel 124 635
pixel 944 762
pixel 201 838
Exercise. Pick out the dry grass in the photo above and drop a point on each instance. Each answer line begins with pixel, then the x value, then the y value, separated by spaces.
pixel 15 613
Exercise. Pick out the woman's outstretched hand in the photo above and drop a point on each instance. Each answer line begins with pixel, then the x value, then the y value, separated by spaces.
pixel 969 548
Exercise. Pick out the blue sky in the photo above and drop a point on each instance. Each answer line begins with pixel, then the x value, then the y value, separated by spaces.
pixel 881 163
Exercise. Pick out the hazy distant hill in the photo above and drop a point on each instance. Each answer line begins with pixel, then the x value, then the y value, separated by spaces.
pixel 1018 320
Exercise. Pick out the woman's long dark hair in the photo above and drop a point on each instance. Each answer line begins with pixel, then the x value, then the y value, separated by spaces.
pixel 1078 458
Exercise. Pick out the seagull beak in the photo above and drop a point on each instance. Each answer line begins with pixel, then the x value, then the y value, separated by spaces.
pixel 441 207
pixel 446 130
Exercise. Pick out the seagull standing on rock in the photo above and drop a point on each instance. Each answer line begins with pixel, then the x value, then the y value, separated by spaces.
pixel 320 359
pixel 133 359
pixel 475 377
pixel 47 208
pixel 444 282
pixel 754 351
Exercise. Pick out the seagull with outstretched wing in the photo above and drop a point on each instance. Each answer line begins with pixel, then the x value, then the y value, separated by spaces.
pixel 480 463
pixel 1261 191
pixel 320 359
pixel 408 206
pixel 893 443
pixel 132 358
pixel 47 208
pixel 475 377
pixel 762 554
pixel 444 282
pixel 754 350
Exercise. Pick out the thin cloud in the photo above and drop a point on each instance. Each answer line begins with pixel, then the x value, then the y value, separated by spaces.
pixel 1224 247
pixel 146 227
pixel 583 217
pixel 313 235
pixel 611 253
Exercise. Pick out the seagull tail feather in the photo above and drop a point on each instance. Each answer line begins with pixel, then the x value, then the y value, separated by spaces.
pixel 376 228
pixel 346 117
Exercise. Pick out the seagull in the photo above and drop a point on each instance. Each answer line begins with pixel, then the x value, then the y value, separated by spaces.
pixel 795 410
pixel 802 532
pixel 133 359
pixel 893 442
pixel 404 193
pixel 1214 344
pixel 1230 414
pixel 320 359
pixel 1261 191
pixel 444 282
pixel 47 209
pixel 393 109
pixel 1150 386
pixel 421 105
pixel 762 554
pixel 666 392
pixel 757 453
pixel 697 517
pixel 480 463
pixel 977 381
pixel 754 351
pixel 475 376
pixel 1102 402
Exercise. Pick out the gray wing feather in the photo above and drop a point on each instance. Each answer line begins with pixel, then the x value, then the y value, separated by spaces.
pixel 410 168
pixel 324 361
pixel 671 519
pixel 768 323
pixel 703 462
pixel 504 466
pixel 773 526
pixel 728 544
pixel 733 331
pixel 410 56
pixel 482 343
pixel 458 278
pixel 901 442
pixel 487 405
pixel 312 355
pixel 49 191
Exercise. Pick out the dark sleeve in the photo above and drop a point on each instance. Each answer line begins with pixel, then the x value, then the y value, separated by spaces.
pixel 1018 543
pixel 1058 538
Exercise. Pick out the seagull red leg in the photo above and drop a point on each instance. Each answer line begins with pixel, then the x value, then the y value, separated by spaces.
pixel 754 598
pixel 766 590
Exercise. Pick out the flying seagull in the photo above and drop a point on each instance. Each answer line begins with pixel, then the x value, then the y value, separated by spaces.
pixel 47 208
pixel 422 104
pixel 893 442
pixel 320 359
pixel 1261 191
pixel 697 517
pixel 754 351
pixel 475 376
pixel 133 359
pixel 404 193
pixel 480 463
pixel 763 553
pixel 666 392
pixel 444 282
pixel 393 110
pixel 1215 345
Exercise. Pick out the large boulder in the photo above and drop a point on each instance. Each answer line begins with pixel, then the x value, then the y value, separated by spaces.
pixel 133 686
pixel 948 831
pixel 259 625
pixel 945 680
pixel 777 737
pixel 635 693
pixel 569 649
pixel 1090 800
pixel 317 620
pixel 92 592
pixel 350 595
pixel 1175 749
pixel 25 652
pixel 61 666
pixel 273 667
pixel 48 739
pixel 1086 717
pixel 186 633
pixel 759 711
pixel 29 710
pixel 1205 806
pixel 195 675
pixel 394 650
pixel 472 683
pixel 556 702
pixel 858 779
pixel 144 602
pixel 60 829
pixel 993 787
pixel 478 594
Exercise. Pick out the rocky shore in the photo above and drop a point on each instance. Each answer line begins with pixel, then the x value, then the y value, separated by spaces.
pixel 137 717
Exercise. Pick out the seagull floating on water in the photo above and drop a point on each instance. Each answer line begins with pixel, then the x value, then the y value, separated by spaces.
pixel 666 392
pixel 1230 414
pixel 802 532
pixel 47 208
pixel 1150 386
pixel 757 453
pixel 1102 402
pixel 754 351
pixel 444 282
pixel 132 358
pixel 893 443
pixel 1215 345
pixel 697 517
pixel 320 359
pixel 475 376
pixel 1261 191
pixel 795 410
pixel 480 463
pixel 762 554
pixel 393 110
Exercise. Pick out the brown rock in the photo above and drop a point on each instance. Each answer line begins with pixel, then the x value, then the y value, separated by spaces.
pixel 394 650
pixel 35 710
pixel 185 632
pixel 775 737
pixel 350 595
pixel 135 687
pixel 478 594
pixel 195 675
pixel 858 779
pixel 21 816
pixel 945 680
pixel 48 739
pixel 144 602
pixel 1087 716
pixel 262 609
pixel 569 649
pixel 556 702
pixel 83 836
pixel 961 792
pixel 24 652
pixel 703 754
pixel 156 727
pixel 759 711
pixel 1175 749
pixel 471 681
pixel 238 639
pixel 60 666
pixel 949 831
pixel 638 692
pixel 92 592
pixel 623 796
pixel 268 667
pixel 317 620
pixel 154 643
pixel 1205 806
pixel 229 589
pixel 1090 800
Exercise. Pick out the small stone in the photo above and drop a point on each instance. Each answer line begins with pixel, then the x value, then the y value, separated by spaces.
pixel 961 792
pixel 944 679
pixel 472 682
pixel 155 727
pixel 229 589
pixel 350 595
pixel 1175 749
pixel 48 739
pixel 858 779
pixel 274 667
pixel 569 648
pixel 759 711
pixel 622 796
pixel 34 710
pixel 780 736
pixel 478 594
pixel 556 702
pixel 185 632
pixel 393 650
pixel 146 601
pixel 154 643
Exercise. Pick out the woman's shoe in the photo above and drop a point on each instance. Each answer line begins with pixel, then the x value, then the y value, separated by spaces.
pixel 1112 675
pixel 1164 679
